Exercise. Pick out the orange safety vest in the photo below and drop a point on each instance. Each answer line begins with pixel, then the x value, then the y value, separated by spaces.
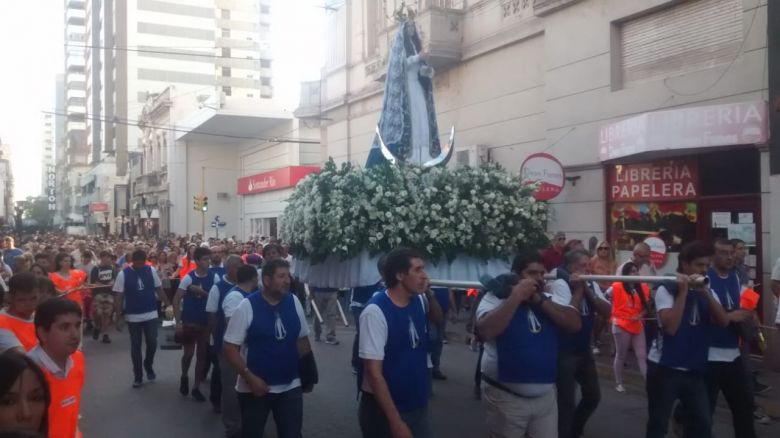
pixel 77 278
pixel 625 307
pixel 23 330
pixel 66 399
pixel 186 267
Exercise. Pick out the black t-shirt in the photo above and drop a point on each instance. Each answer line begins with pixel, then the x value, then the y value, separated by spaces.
pixel 103 275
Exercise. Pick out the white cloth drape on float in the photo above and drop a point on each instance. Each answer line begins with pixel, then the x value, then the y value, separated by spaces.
pixel 361 270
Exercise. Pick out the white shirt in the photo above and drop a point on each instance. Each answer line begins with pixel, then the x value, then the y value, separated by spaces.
pixel 489 364
pixel 236 335
pixel 231 302
pixel 119 286
pixel 664 300
pixel 212 304
pixel 44 361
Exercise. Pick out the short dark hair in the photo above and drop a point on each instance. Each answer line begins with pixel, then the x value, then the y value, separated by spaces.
pixel 201 252
pixel 525 258
pixel 694 250
pixel 572 256
pixel 46 286
pixel 59 258
pixel 398 261
pixel 736 242
pixel 270 267
pixel 22 283
pixel 40 255
pixel 246 273
pixel 48 311
pixel 722 242
pixel 380 265
pixel 272 247
pixel 138 255
pixel 105 253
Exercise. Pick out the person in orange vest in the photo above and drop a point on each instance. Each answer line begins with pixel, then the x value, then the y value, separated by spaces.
pixel 58 327
pixel 25 396
pixel 629 306
pixel 187 263
pixel 66 279
pixel 17 329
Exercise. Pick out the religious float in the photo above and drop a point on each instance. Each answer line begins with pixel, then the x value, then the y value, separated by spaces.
pixel 468 221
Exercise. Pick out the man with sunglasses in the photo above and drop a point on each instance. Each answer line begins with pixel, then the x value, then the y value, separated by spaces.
pixel 641 258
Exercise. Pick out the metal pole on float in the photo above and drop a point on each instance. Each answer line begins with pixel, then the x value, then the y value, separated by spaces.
pixel 627 278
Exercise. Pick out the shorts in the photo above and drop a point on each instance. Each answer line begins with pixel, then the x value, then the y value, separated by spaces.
pixel 190 333
pixel 103 305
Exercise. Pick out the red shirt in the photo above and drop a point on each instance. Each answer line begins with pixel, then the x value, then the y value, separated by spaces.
pixel 552 259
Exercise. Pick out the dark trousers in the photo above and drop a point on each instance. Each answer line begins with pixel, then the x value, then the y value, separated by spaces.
pixel 215 390
pixel 733 380
pixel 373 422
pixel 574 370
pixel 356 311
pixel 147 330
pixel 436 338
pixel 286 407
pixel 664 386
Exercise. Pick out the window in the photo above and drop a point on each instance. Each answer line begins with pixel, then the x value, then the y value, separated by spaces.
pixel 265 63
pixel 250 95
pixel 225 33
pixel 226 52
pixel 226 72
pixel 265 9
pixel 265 81
pixel 225 14
pixel 227 91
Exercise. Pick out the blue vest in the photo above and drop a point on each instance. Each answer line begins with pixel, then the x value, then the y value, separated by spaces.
pixel 193 308
pixel 218 271
pixel 689 347
pixel 728 291
pixel 219 331
pixel 405 366
pixel 139 300
pixel 361 295
pixel 271 340
pixel 579 343
pixel 442 295
pixel 528 348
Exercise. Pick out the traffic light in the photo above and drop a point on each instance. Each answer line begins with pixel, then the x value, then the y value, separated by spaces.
pixel 204 205
pixel 197 203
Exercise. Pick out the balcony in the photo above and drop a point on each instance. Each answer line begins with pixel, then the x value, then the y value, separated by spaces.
pixel 441 33
pixel 151 182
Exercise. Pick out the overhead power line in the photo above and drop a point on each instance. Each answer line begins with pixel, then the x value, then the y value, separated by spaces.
pixel 169 52
pixel 137 123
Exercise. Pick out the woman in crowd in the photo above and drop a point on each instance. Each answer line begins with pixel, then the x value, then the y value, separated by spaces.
pixel 602 263
pixel 629 307
pixel 24 395
pixel 68 280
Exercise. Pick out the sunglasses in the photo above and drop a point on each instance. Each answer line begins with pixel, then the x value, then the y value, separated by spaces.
pixel 561 238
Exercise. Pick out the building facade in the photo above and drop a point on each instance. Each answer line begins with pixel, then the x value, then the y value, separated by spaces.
pixel 647 105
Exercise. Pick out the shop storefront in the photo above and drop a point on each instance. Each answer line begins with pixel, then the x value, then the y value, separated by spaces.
pixel 263 198
pixel 680 175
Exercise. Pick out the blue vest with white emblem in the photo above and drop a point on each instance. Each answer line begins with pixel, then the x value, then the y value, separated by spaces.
pixel 138 299
pixel 528 348
pixel 728 291
pixel 690 345
pixel 272 339
pixel 194 307
pixel 405 365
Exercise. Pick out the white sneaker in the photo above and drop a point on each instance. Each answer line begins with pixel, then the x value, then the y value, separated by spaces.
pixel 596 351
pixel 620 388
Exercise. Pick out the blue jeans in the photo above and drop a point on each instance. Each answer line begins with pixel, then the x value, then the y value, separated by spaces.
pixel 147 330
pixel 286 407
pixel 664 386
pixel 374 424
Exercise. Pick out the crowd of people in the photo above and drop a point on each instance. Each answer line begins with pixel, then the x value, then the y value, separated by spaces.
pixel 242 316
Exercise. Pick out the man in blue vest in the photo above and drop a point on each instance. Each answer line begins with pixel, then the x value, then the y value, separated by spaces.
pixel 677 362
pixel 189 308
pixel 519 326
pixel 575 357
pixel 138 289
pixel 394 349
pixel 725 370
pixel 275 364
pixel 222 394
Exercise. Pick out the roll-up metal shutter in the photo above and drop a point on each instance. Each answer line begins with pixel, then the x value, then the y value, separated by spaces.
pixel 693 35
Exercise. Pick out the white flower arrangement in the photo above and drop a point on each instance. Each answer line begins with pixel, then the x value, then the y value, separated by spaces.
pixel 480 212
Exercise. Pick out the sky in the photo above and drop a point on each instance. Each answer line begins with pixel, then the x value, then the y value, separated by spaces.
pixel 32 53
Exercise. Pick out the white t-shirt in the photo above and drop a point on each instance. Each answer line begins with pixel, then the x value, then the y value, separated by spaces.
pixel 187 281
pixel 119 286
pixel 647 269
pixel 664 300
pixel 489 365
pixel 212 303
pixel 236 335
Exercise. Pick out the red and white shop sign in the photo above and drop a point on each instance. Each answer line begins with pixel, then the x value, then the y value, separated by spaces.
pixel 657 251
pixel 655 181
pixel 548 171
pixel 98 207
pixel 274 180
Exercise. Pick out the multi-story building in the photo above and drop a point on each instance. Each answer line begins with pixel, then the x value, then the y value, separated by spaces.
pixel 60 149
pixel 204 48
pixel 656 110
pixel 6 186
pixel 47 149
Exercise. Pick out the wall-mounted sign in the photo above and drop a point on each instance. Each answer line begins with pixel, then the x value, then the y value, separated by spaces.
pixel 655 181
pixel 657 251
pixel 546 170
pixel 274 180
pixel 51 187
pixel 98 207
pixel 696 127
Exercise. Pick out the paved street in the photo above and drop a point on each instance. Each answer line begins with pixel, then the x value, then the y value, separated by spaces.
pixel 111 408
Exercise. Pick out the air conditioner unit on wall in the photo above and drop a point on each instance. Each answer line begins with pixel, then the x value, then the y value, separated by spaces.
pixel 472 155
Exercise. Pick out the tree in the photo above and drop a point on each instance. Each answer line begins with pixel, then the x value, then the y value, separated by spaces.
pixel 37 209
